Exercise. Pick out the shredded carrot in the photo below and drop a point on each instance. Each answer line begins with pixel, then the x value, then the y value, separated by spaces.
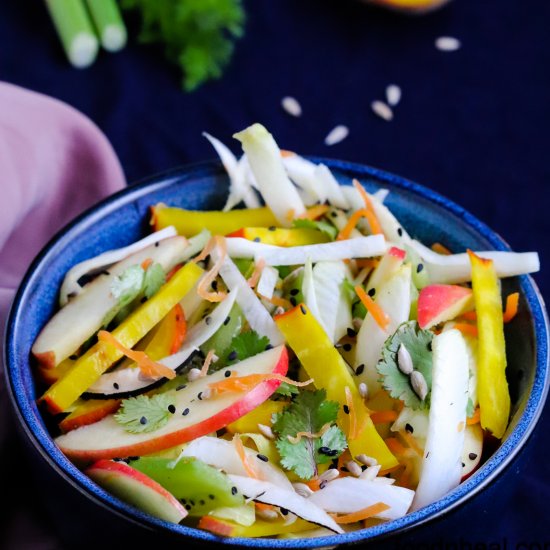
pixel 285 153
pixel 469 316
pixel 360 515
pixel 246 383
pixel 277 301
pixel 511 310
pixel 244 459
pixel 375 226
pixel 263 507
pixel 314 484
pixel 209 276
pixel 441 249
pixel 309 435
pixel 350 225
pixel 146 263
pixel 466 329
pixel 395 446
pixel 315 212
pixel 378 314
pixel 381 417
pixel 411 442
pixel 180 331
pixel 367 263
pixel 354 428
pixel 255 277
pixel 147 366
pixel 207 362
pixel 475 418
pixel 208 247
pixel 404 479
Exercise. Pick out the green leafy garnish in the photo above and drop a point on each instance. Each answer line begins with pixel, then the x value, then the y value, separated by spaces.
pixel 418 343
pixel 324 227
pixel 245 345
pixel 286 390
pixel 153 280
pixel 470 409
pixel 143 414
pixel 310 412
pixel 197 34
pixel 126 287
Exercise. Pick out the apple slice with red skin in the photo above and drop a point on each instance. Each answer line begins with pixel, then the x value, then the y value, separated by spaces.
pixel 194 415
pixel 89 412
pixel 137 489
pixel 440 303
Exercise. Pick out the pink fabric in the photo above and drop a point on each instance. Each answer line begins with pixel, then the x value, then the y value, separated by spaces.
pixel 54 163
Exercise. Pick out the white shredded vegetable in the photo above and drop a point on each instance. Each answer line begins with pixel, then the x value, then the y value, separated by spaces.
pixel 333 189
pixel 268 281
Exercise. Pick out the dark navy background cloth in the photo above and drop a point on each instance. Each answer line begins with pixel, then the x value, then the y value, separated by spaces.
pixel 472 124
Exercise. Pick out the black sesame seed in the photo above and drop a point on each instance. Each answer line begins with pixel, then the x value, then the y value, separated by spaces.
pixel 181 387
pixel 233 490
pixel 472 456
pixel 116 386
pixel 192 502
pixel 419 268
pixel 463 465
pixel 359 370
pixel 346 409
pixel 73 357
pixel 200 396
pixel 227 373
pixel 363 467
pixel 293 301
pixel 201 502
pixel 268 347
pixel 334 214
pixel 324 450
pixel 143 300
pixel 272 228
pixel 143 421
pixel 371 292
pixel 185 412
pixel 232 356
pixel 303 310
pixel 188 507
pixel 400 231
pixel 284 511
pixel 347 347
pixel 409 428
pixel 332 452
pixel 257 239
pixel 211 497
pixel 183 501
pixel 208 320
pixel 263 458
pixel 351 332
pixel 156 244
pixel 171 409
pixel 227 319
pixel 294 292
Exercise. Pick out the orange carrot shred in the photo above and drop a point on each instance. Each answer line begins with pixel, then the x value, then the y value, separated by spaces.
pixel 378 314
pixel 146 263
pixel 411 442
pixel 381 417
pixel 375 226
pixel 395 446
pixel 475 418
pixel 209 276
pixel 366 263
pixel 512 302
pixel 286 153
pixel 180 331
pixel 263 507
pixel 244 459
pixel 469 316
pixel 315 212
pixel 466 329
pixel 350 225
pixel 441 249
pixel 208 247
pixel 147 366
pixel 246 383
pixel 277 301
pixel 360 515
pixel 255 277
pixel 207 362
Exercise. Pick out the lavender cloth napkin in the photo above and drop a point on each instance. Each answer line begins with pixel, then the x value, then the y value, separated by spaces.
pixel 54 163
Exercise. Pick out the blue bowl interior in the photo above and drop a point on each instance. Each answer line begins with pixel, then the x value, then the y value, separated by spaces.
pixel 123 218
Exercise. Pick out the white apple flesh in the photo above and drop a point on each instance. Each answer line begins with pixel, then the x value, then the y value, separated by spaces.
pixel 194 416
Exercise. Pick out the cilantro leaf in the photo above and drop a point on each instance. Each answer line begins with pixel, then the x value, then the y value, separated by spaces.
pixel 324 227
pixel 197 34
pixel 143 414
pixel 245 345
pixel 309 412
pixel 418 344
pixel 286 390
pixel 153 280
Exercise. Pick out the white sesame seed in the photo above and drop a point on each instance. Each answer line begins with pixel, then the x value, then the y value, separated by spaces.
pixel 291 106
pixel 363 390
pixel 353 468
pixel 382 110
pixel 336 135
pixel 393 95
pixel 266 431
pixel 447 44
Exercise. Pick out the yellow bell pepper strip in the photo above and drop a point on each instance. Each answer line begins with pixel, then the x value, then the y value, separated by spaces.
pixel 492 389
pixel 191 222
pixel 88 368
pixel 260 415
pixel 280 236
pixel 260 528
pixel 52 375
pixel 325 365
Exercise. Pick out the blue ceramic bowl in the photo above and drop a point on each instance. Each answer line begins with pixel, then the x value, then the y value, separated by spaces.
pixel 81 506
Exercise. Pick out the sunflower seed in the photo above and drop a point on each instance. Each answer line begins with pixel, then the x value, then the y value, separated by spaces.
pixel 302 489
pixel 353 468
pixel 363 390
pixel 404 360
pixel 367 460
pixel 330 474
pixel 393 95
pixel 419 385
pixel 447 44
pixel 370 473
pixel 291 106
pixel 266 431
pixel 336 135
pixel 267 514
pixel 382 110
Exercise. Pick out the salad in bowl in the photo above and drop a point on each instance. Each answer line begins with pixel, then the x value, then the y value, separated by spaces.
pixel 293 365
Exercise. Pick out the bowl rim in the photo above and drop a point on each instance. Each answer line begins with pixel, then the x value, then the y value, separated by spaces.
pixel 497 463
